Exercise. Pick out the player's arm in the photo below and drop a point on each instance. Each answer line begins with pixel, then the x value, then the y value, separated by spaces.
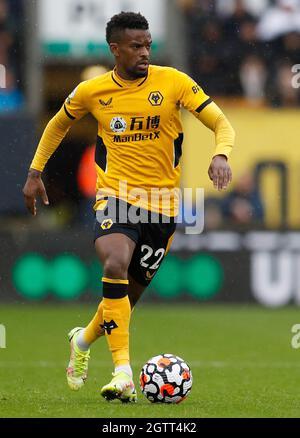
pixel 219 170
pixel 193 98
pixel 72 110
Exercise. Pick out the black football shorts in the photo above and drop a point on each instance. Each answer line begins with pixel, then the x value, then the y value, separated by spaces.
pixel 152 233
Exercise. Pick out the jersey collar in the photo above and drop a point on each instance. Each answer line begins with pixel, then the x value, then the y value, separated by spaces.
pixel 122 83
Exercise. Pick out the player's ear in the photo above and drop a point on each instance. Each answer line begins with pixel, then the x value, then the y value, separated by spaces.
pixel 114 49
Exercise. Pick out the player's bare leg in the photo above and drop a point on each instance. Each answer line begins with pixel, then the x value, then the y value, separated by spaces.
pixel 135 291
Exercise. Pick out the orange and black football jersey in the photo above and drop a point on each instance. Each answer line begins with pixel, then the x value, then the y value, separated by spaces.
pixel 140 136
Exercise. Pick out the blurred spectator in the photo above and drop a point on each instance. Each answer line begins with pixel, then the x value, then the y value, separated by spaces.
pixel 283 94
pixel 255 7
pixel 196 7
pixel 244 55
pixel 253 76
pixel 6 32
pixel 202 35
pixel 243 205
pixel 286 53
pixel 207 65
pixel 234 21
pixel 280 26
pixel 212 214
pixel 279 20
pixel 288 50
pixel 244 48
pixel 290 47
pixel 11 98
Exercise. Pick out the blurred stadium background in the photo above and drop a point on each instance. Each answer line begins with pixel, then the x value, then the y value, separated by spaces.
pixel 244 53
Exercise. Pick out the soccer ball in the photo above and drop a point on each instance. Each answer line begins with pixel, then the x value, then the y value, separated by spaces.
pixel 166 379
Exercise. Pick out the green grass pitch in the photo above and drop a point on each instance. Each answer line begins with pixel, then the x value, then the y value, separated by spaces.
pixel 241 357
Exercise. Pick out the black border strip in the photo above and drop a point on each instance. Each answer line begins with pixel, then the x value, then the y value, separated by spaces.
pixel 203 105
pixel 112 76
pixel 143 80
pixel 68 114
pixel 138 426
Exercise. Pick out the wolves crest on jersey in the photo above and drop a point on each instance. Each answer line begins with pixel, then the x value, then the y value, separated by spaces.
pixel 155 98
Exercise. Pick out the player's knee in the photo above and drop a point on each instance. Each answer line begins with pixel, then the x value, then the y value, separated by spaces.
pixel 115 267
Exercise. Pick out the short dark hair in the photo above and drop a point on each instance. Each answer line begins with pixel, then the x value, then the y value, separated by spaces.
pixel 122 21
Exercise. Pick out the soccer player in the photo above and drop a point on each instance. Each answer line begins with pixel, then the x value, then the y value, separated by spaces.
pixel 137 106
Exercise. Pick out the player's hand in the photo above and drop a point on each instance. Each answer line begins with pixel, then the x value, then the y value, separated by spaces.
pixel 34 187
pixel 219 172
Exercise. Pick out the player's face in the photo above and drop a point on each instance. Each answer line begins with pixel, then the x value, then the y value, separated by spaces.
pixel 132 53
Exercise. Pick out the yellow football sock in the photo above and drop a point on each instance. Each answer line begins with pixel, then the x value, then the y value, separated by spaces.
pixel 116 319
pixel 94 330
